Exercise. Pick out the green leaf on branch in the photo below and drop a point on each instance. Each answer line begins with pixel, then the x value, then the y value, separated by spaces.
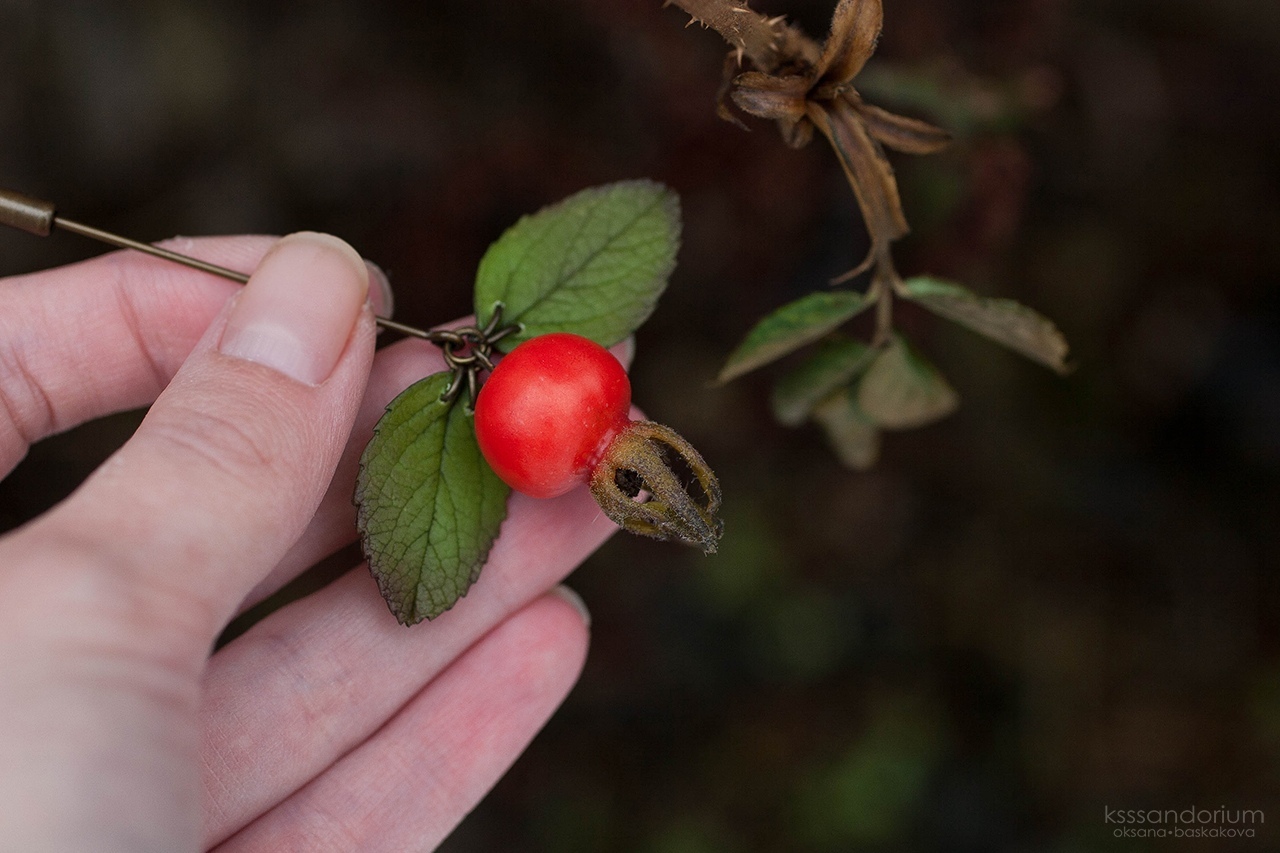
pixel 429 506
pixel 836 362
pixel 901 389
pixel 851 432
pixel 1002 320
pixel 790 327
pixel 593 264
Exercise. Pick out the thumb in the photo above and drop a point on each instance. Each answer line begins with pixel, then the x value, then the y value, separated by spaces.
pixel 233 458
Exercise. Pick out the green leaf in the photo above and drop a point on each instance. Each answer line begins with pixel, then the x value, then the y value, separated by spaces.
pixel 594 264
pixel 851 432
pixel 901 389
pixel 1002 320
pixel 429 506
pixel 836 362
pixel 791 327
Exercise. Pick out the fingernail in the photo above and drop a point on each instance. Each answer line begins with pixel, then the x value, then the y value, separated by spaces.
pixel 297 311
pixel 384 301
pixel 573 600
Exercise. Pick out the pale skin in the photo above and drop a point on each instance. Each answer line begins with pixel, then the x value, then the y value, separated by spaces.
pixel 327 726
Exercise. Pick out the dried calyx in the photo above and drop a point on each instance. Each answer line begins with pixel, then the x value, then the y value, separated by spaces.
pixel 777 72
pixel 639 459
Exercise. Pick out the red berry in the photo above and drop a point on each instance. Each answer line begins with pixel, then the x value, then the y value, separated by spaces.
pixel 549 409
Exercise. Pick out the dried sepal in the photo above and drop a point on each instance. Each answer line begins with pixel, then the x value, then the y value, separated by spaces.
pixel 635 462
pixel 803 85
pixel 796 134
pixel 797 53
pixel 867 169
pixel 873 254
pixel 908 135
pixel 770 97
pixel 780 99
pixel 855 26
pixel 732 66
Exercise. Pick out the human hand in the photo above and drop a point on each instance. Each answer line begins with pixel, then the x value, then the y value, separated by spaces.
pixel 327 725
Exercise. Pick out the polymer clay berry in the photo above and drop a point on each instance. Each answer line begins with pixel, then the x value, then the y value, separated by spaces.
pixel 545 415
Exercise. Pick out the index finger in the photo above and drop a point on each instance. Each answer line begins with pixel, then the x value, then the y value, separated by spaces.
pixel 104 335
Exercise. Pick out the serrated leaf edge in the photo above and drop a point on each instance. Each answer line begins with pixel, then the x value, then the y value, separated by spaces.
pixel 412 613
pixel 663 197
pixel 1057 361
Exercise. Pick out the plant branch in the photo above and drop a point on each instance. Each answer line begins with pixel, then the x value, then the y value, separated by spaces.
pixel 750 34
pixel 884 285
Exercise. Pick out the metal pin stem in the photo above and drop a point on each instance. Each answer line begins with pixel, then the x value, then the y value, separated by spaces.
pixel 39 217
pixel 155 251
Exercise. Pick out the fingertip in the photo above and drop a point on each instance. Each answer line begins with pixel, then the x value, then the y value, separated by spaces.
pixel 380 293
pixel 625 350
pixel 296 314
pixel 555 634
pixel 571 598
pixel 329 241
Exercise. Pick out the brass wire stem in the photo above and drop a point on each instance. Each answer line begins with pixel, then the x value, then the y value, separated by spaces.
pixel 40 218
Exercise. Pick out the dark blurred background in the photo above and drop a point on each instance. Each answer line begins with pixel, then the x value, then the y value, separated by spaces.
pixel 1060 600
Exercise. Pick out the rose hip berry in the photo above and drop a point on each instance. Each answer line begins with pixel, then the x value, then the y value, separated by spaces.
pixel 554 413
pixel 544 416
